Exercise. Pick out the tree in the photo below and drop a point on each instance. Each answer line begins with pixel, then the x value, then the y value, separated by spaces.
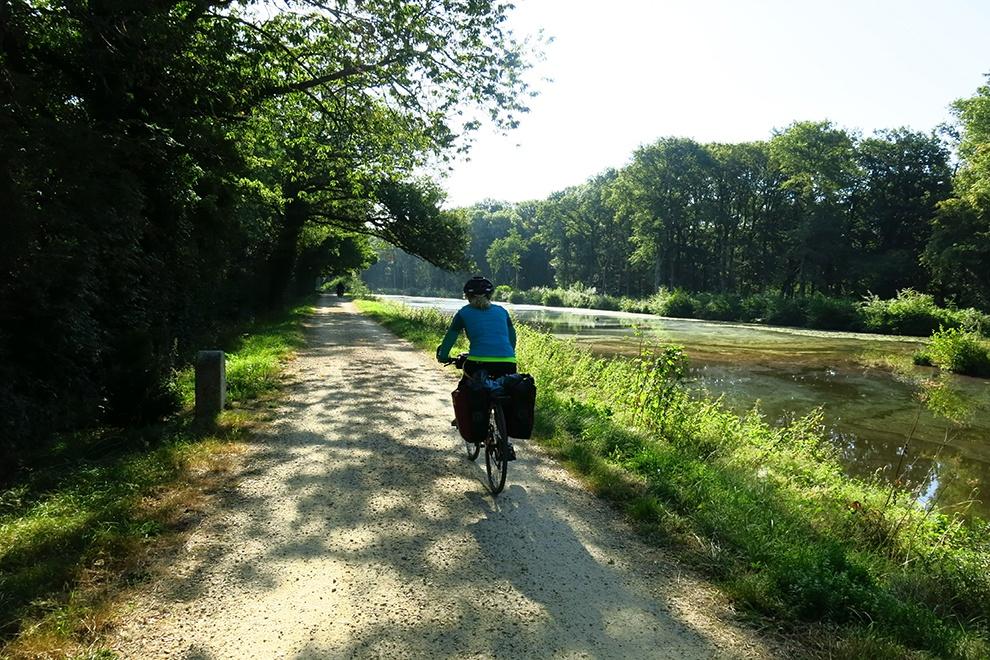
pixel 747 227
pixel 163 165
pixel 505 256
pixel 818 161
pixel 488 221
pixel 667 192
pixel 958 253
pixel 906 174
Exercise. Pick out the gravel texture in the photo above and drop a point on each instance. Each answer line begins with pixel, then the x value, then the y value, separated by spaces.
pixel 358 528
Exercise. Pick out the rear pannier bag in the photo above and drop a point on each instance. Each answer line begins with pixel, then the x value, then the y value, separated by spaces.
pixel 462 412
pixel 521 407
pixel 471 410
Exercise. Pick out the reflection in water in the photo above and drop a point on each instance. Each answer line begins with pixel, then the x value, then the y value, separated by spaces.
pixel 868 413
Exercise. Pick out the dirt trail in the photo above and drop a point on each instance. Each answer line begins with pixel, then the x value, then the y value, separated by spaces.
pixel 359 529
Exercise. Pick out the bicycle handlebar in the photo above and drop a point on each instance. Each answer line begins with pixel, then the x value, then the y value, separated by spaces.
pixel 457 362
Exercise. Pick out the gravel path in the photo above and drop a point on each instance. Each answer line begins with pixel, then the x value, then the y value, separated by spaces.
pixel 359 529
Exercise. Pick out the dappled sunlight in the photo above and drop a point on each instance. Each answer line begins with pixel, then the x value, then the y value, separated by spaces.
pixel 379 537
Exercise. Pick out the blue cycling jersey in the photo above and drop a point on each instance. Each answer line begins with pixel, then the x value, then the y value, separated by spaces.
pixel 490 331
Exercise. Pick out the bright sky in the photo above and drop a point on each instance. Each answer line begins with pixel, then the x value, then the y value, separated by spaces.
pixel 627 72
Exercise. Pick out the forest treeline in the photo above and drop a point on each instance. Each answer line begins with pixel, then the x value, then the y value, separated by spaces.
pixel 816 209
pixel 169 169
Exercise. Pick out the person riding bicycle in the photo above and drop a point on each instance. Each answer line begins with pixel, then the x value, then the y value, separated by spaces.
pixel 490 333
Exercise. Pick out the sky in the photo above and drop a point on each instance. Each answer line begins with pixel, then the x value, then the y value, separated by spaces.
pixel 625 73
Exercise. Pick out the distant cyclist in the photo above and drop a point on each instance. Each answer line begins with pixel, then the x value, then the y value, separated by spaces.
pixel 488 328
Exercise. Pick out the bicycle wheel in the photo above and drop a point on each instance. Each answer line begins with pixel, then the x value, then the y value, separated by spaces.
pixel 496 450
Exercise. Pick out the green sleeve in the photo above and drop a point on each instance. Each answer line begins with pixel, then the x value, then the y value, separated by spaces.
pixel 443 350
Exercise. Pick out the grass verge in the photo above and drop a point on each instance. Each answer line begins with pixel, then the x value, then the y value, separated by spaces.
pixel 76 530
pixel 766 512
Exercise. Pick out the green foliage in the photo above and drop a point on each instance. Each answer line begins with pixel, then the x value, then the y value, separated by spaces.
pixel 906 175
pixel 833 313
pixel 662 227
pixel 505 256
pixel 784 310
pixel 502 292
pixel 910 313
pixel 817 216
pixel 767 511
pixel 353 285
pixel 914 313
pixel 678 303
pixel 959 250
pixel 957 350
pixel 718 306
pixel 552 298
pixel 171 168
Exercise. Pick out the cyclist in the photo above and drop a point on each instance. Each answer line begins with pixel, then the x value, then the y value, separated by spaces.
pixel 489 330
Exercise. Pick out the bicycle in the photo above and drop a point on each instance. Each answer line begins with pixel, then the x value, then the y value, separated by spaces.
pixel 498 451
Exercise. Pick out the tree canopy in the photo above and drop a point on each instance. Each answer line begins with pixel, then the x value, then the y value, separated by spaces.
pixel 816 209
pixel 166 167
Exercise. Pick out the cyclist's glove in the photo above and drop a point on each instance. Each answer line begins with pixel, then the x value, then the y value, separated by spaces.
pixel 443 359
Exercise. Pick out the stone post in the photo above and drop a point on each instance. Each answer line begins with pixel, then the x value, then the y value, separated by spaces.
pixel 211 384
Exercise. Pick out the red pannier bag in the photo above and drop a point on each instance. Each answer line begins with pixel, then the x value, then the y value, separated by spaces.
pixel 462 412
pixel 471 410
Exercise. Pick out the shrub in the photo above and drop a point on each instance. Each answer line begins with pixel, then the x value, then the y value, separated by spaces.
pixel 910 313
pixel 552 298
pixel 657 303
pixel 957 350
pixel 971 319
pixel 718 306
pixel 579 295
pixel 754 307
pixel 678 303
pixel 517 297
pixel 502 292
pixel 785 311
pixel 610 303
pixel 635 305
pixel 833 313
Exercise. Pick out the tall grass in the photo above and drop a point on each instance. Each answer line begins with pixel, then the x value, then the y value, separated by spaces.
pixel 767 512
pixel 74 525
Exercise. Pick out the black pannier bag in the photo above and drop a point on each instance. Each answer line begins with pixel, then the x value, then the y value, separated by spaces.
pixel 520 410
pixel 471 409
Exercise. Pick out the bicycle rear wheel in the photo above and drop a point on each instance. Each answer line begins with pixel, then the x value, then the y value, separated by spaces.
pixel 496 450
